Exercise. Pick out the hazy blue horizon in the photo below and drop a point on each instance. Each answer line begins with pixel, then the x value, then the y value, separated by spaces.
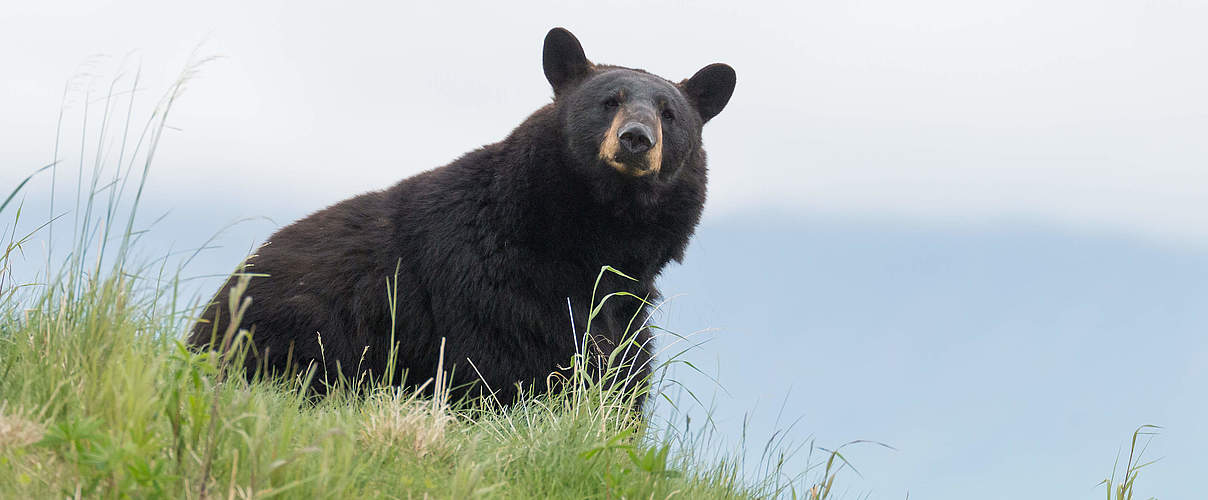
pixel 981 353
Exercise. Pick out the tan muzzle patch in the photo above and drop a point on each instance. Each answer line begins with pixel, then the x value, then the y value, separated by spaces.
pixel 610 149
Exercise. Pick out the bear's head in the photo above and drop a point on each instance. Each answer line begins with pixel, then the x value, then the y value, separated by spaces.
pixel 626 123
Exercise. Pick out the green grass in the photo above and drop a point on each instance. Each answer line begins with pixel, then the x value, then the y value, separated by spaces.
pixel 1122 487
pixel 108 404
pixel 99 398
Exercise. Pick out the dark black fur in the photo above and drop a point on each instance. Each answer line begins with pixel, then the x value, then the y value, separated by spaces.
pixel 489 247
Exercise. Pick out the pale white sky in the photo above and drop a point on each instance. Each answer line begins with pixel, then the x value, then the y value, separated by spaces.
pixel 1088 113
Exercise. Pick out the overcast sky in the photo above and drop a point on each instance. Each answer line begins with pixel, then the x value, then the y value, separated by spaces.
pixel 972 204
pixel 1089 113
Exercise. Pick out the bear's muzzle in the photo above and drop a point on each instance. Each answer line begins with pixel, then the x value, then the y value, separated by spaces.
pixel 633 144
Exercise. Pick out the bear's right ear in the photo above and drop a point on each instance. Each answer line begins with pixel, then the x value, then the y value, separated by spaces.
pixel 563 59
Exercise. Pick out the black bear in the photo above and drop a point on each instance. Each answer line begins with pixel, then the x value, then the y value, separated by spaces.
pixel 489 249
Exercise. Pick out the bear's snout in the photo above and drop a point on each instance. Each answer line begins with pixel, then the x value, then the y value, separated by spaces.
pixel 636 138
pixel 633 145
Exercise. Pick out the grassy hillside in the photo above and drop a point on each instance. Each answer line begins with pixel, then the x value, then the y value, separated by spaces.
pixel 100 399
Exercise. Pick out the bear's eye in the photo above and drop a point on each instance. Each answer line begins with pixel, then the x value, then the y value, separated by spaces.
pixel 668 114
pixel 611 103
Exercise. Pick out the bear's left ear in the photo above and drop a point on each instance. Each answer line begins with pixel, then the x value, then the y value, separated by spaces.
pixel 563 59
pixel 710 89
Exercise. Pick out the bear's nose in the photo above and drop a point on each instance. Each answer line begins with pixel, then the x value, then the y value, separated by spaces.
pixel 636 138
